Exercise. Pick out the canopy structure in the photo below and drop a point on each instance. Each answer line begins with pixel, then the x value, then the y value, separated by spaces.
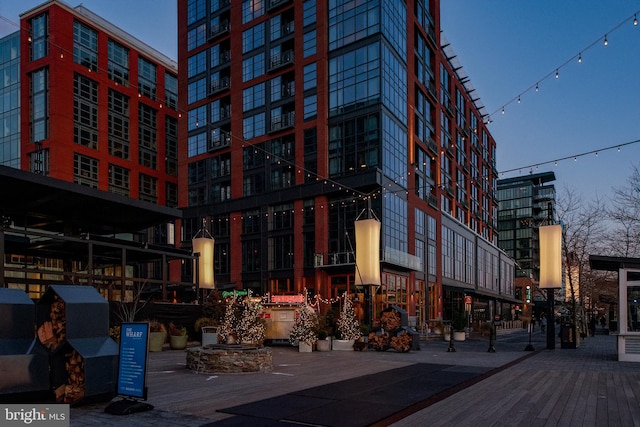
pixel 42 218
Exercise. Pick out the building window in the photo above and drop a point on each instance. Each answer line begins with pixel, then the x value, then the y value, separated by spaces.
pixel 309 43
pixel 253 38
pixel 196 36
pixel 281 252
pixel 118 124
pixel 309 12
pixel 118 63
pixel 350 88
pixel 196 64
pixel 254 126
pixel 252 9
pixel 85 170
pixel 197 90
pixel 146 78
pixel 147 134
pixel 172 195
pixel 171 91
pixel 39 36
pixel 310 107
pixel 171 146
pixel 348 26
pixel 251 256
pixel 118 180
pixel 85 46
pixel 85 111
pixel 310 76
pixel 195 10
pixel 253 97
pixel 148 188
pixel 197 144
pixel 39 105
pixel 253 67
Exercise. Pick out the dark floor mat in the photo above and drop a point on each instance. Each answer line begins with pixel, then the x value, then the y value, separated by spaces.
pixel 355 402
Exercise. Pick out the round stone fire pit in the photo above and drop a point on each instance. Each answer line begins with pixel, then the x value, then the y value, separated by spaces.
pixel 229 358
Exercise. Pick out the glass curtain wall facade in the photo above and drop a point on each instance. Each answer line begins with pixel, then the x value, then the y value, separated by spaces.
pixel 10 100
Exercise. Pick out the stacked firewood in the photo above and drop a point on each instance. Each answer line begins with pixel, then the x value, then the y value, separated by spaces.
pixel 52 333
pixel 379 342
pixel 402 343
pixel 74 389
pixel 390 320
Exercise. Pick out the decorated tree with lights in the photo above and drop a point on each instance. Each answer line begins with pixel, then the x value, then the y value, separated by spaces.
pixel 251 327
pixel 305 328
pixel 230 323
pixel 348 323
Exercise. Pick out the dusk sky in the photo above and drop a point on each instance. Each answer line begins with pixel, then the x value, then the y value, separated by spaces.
pixel 506 47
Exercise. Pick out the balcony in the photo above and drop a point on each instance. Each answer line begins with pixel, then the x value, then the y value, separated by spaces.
pixel 288 90
pixel 280 60
pixel 284 121
pixel 219 29
pixel 432 145
pixel 402 259
pixel 433 201
pixel 219 85
pixel 334 259
pixel 219 139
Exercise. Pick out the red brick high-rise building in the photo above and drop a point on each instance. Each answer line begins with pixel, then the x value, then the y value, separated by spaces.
pixel 99 107
pixel 302 115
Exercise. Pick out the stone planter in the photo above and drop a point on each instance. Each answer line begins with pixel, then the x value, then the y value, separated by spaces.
pixel 178 342
pixel 323 345
pixel 303 347
pixel 343 345
pixel 156 340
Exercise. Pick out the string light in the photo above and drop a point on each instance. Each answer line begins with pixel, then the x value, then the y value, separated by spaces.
pixel 573 156
pixel 556 71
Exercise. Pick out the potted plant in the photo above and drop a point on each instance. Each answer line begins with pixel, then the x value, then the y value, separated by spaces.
pixel 304 332
pixel 178 336
pixel 324 342
pixel 459 323
pixel 348 327
pixel 157 335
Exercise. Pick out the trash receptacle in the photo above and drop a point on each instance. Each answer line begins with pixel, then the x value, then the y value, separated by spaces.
pixel 568 337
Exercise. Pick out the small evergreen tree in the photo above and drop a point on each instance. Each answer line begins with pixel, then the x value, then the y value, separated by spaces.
pixel 305 328
pixel 230 321
pixel 348 324
pixel 251 327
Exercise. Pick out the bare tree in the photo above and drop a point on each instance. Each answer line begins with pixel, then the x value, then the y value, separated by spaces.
pixel 624 217
pixel 583 229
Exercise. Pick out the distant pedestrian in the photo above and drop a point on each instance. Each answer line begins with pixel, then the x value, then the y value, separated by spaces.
pixel 543 324
pixel 603 322
pixel 592 326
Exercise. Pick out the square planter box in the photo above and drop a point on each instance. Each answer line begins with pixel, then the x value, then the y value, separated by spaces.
pixel 343 345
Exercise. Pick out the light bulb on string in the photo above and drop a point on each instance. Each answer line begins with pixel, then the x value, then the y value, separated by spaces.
pixel 635 19
pixel 580 57
pixel 518 99
pixel 557 75
pixel 536 87
pixel 606 42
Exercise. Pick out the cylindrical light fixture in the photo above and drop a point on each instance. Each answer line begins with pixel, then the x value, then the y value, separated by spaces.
pixel 550 256
pixel 367 252
pixel 203 268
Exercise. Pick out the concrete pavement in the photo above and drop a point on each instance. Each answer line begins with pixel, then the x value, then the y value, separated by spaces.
pixel 430 387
